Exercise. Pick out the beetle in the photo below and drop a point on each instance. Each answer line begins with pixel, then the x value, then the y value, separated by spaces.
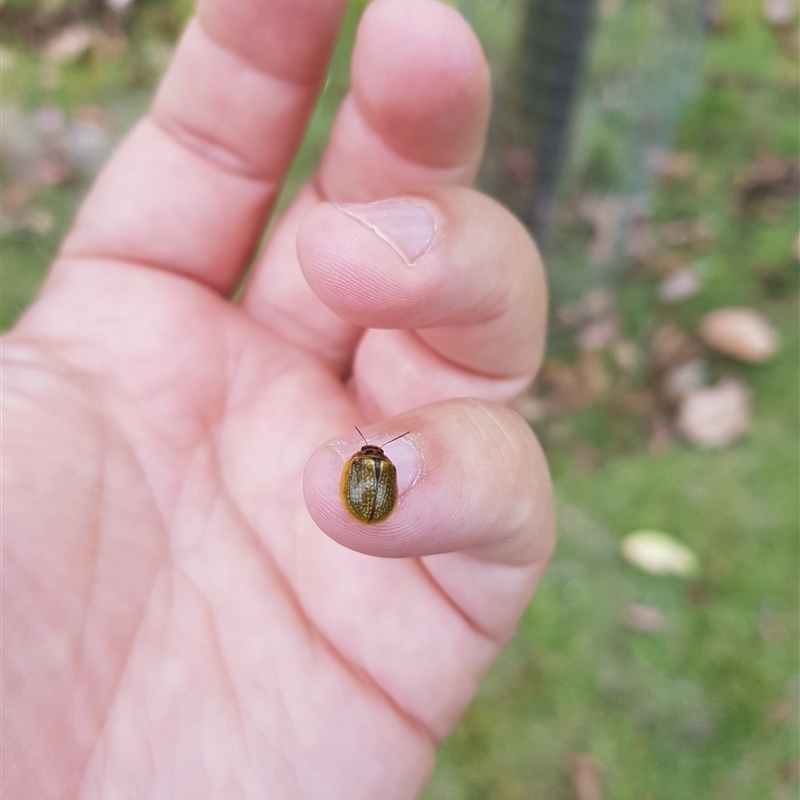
pixel 368 488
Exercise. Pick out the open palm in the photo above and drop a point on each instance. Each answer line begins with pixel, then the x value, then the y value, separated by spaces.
pixel 188 610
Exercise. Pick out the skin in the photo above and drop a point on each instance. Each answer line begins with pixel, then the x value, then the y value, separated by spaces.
pixel 188 611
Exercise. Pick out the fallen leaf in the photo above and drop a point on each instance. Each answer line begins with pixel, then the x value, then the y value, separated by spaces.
pixel 38 221
pixel 520 164
pixel 50 121
pixel 771 626
pixel 92 115
pixel 587 457
pixel 15 197
pixel 50 171
pixel 715 417
pixel 789 40
pixel 671 346
pixel 641 243
pixel 646 619
pixel 68 45
pixel 586 777
pixel 664 262
pixel 7 59
pixel 636 404
pixel 684 232
pixel 780 12
pixel 766 178
pixel 595 304
pixel 597 335
pixel 530 407
pixel 627 355
pixel 669 165
pixel 86 146
pixel 790 770
pixel 740 332
pixel 661 436
pixel 569 387
pixel 109 46
pixel 606 215
pixel 685 378
pixel 782 713
pixel 680 285
pixel 659 553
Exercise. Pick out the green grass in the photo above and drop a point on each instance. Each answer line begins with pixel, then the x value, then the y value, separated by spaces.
pixel 708 708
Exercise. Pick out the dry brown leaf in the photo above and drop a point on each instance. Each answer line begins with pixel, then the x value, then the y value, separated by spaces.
pixel 37 221
pixel 92 115
pixel 595 304
pixel 715 417
pixel 587 457
pixel 51 171
pixel 646 619
pixel 671 346
pixel 635 404
pixel 606 215
pixel 780 12
pixel 680 285
pixel 790 771
pixel 69 44
pixel 686 232
pixel 768 177
pixel 15 197
pixel 569 387
pixel 685 378
pixel 641 243
pixel 531 407
pixel 661 436
pixel 782 713
pixel 600 334
pixel 520 164
pixel 669 165
pixel 740 332
pixel 586 777
pixel 7 59
pixel 627 355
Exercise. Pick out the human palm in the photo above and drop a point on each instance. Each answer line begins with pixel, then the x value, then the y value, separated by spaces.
pixel 188 611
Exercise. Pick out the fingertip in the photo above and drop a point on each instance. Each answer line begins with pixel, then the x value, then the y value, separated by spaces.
pixel 358 269
pixel 421 80
pixel 479 485
pixel 322 480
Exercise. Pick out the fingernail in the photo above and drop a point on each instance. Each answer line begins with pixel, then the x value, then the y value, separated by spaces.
pixel 407 226
pixel 401 452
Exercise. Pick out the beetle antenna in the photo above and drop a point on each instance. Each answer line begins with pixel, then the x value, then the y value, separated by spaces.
pixel 396 438
pixel 362 435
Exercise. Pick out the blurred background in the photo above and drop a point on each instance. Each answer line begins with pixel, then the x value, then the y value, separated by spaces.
pixel 652 145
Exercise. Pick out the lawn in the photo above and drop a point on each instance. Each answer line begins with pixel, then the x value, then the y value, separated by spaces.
pixel 583 704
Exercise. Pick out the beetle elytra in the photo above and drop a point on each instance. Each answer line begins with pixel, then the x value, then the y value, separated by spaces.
pixel 369 483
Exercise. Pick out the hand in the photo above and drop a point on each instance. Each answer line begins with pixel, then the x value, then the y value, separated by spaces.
pixel 181 618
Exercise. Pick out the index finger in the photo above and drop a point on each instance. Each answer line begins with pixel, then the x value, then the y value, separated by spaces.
pixel 415 118
pixel 190 188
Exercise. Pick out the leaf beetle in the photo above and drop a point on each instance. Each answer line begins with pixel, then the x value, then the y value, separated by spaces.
pixel 368 488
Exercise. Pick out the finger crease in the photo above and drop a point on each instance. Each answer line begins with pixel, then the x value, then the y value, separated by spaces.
pixel 314 632
pixel 210 148
pixel 471 623
pixel 456 168
pixel 254 65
